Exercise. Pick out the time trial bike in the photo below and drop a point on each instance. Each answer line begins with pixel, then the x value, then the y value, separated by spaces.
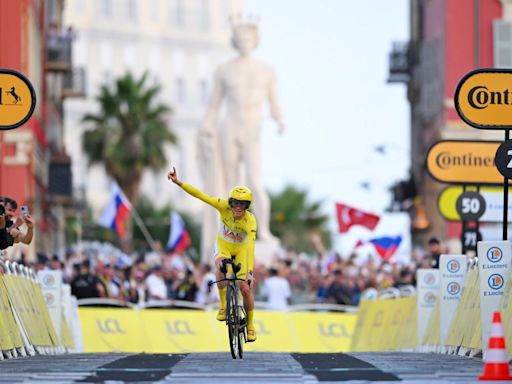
pixel 236 317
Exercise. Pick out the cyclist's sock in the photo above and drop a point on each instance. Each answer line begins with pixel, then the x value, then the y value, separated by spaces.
pixel 222 297
pixel 250 316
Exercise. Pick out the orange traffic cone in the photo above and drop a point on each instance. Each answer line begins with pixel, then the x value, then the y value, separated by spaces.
pixel 496 361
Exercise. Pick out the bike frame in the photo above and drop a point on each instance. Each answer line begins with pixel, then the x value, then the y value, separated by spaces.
pixel 236 317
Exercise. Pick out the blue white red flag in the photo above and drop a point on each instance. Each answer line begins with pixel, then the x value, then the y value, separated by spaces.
pixel 116 212
pixel 179 238
pixel 386 246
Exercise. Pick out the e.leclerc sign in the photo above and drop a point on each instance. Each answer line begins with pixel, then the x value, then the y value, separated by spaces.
pixel 464 162
pixel 483 98
pixel 17 99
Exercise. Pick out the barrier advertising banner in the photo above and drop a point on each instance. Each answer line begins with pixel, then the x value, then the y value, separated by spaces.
pixel 494 259
pixel 51 285
pixel 428 292
pixel 452 270
pixel 183 331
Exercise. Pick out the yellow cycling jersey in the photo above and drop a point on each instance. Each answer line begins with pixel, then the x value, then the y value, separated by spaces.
pixel 234 236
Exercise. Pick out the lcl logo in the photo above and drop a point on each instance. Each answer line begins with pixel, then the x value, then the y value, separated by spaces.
pixel 109 326
pixel 337 330
pixel 179 327
pixel 377 320
pixel 259 326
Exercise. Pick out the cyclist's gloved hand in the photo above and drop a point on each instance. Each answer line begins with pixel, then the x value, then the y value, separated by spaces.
pixel 251 279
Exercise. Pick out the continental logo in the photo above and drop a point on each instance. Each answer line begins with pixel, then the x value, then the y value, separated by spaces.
pixel 481 97
pixel 464 162
pixel 446 160
pixel 483 100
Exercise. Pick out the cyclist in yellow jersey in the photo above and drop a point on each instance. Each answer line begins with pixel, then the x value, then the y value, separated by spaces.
pixel 236 237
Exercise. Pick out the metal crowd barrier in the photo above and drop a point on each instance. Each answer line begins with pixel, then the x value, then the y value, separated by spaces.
pixel 182 304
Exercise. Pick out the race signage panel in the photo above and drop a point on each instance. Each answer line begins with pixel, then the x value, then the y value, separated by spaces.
pixel 51 285
pixel 464 162
pixel 452 270
pixel 469 239
pixel 493 197
pixel 470 205
pixel 483 100
pixel 17 99
pixel 503 159
pixel 494 259
pixel 427 282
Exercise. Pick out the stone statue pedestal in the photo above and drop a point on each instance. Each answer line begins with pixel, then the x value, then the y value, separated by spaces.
pixel 266 252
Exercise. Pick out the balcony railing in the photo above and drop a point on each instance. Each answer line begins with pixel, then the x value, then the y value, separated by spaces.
pixel 399 63
pixel 74 83
pixel 58 53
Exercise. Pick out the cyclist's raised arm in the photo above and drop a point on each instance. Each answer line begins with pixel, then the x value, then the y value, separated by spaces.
pixel 215 202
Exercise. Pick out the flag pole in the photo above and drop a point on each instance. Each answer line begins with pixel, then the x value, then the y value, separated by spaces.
pixel 144 230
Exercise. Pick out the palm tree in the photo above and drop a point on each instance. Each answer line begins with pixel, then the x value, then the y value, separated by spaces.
pixel 129 132
pixel 295 220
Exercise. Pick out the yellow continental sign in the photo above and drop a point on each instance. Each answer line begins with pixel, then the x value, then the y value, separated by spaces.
pixel 483 98
pixel 17 99
pixel 493 197
pixel 464 162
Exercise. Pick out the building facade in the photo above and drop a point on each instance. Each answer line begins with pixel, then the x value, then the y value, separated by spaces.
pixel 34 166
pixel 179 43
pixel 447 40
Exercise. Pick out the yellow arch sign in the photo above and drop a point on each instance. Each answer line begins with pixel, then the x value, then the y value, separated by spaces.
pixel 483 98
pixel 464 162
pixel 447 202
pixel 17 99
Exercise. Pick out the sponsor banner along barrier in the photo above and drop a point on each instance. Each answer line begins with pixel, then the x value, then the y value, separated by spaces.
pixel 386 325
pixel 26 327
pixel 505 308
pixel 466 318
pixel 494 259
pixel 452 271
pixel 427 281
pixel 183 331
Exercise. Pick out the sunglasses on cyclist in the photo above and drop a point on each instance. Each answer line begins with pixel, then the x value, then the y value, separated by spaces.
pixel 234 203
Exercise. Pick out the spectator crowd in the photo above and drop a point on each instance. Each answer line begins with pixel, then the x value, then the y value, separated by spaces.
pixel 98 270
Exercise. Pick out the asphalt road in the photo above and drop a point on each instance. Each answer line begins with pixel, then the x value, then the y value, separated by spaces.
pixel 256 367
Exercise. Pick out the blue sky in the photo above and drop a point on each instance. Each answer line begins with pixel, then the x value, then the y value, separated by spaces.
pixel 331 59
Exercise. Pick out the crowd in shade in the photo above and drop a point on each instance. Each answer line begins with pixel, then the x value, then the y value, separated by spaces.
pixel 99 270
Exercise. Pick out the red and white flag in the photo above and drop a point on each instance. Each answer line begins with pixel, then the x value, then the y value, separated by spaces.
pixel 348 216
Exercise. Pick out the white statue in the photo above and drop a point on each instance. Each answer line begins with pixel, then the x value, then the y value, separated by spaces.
pixel 230 152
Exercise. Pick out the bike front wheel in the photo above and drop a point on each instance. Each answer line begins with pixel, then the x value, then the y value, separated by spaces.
pixel 235 342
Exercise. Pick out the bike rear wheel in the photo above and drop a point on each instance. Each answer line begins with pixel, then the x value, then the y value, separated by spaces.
pixel 233 322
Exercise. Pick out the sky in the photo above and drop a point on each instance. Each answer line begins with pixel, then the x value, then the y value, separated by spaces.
pixel 331 58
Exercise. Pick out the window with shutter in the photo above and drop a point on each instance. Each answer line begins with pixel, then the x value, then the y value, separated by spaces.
pixel 502 31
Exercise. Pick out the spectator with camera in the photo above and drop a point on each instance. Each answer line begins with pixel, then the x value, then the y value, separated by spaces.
pixel 13 224
pixel 6 240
